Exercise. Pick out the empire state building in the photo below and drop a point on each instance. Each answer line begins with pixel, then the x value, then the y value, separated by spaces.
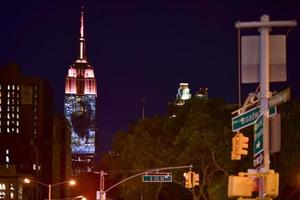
pixel 80 108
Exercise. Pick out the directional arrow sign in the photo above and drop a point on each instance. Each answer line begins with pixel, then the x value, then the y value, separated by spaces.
pixel 258 135
pixel 258 141
pixel 248 118
pixel 157 178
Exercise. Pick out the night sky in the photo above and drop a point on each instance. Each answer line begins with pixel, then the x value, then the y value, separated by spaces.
pixel 140 49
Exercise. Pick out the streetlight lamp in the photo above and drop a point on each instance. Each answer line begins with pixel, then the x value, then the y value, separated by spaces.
pixel 80 196
pixel 71 182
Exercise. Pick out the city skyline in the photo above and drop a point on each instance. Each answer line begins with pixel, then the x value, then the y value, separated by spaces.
pixel 140 50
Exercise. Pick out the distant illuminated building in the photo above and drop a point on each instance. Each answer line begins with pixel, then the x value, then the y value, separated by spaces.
pixel 33 140
pixel 80 108
pixel 202 93
pixel 183 93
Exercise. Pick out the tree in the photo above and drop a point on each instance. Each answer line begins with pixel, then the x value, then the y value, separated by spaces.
pixel 200 134
pixel 287 161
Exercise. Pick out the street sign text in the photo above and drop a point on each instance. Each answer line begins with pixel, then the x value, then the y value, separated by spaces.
pixel 248 118
pixel 157 178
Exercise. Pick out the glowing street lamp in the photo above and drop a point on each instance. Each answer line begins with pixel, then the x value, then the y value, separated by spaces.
pixel 71 182
pixel 78 197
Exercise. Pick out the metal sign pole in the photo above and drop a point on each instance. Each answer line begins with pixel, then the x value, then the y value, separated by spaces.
pixel 265 87
pixel 264 26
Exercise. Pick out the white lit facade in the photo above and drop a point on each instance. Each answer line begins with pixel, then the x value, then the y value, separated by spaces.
pixel 183 93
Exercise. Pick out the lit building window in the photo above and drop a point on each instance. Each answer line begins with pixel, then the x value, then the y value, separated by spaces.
pixel 7 123
pixel 7 151
pixel 8 87
pixel 7 159
pixel 11 195
pixel 7 130
pixel 17 130
pixel 12 187
pixel 2 195
pixel 13 87
pixel 18 87
pixel 2 186
pixel 8 116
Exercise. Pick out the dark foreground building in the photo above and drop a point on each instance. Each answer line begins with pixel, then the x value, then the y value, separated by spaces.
pixel 80 109
pixel 30 137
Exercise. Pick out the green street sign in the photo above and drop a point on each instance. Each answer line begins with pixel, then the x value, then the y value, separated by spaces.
pixel 281 97
pixel 248 118
pixel 258 135
pixel 157 178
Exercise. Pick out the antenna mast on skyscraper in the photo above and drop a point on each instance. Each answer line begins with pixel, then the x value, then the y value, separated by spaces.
pixel 82 52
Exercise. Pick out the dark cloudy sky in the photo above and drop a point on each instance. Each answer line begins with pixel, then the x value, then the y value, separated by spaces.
pixel 139 49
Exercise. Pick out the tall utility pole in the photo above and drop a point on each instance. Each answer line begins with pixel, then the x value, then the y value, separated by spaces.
pixel 101 195
pixel 264 26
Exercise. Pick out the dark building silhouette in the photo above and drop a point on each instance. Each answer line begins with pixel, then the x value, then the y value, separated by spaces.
pixel 202 93
pixel 29 138
pixel 80 108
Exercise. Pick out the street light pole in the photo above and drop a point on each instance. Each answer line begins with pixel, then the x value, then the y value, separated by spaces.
pixel 71 182
pixel 102 193
pixel 49 191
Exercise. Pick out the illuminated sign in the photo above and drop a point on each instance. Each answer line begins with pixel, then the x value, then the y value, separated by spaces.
pixel 80 112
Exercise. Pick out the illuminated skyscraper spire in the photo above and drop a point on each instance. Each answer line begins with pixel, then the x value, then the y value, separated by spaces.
pixel 80 108
pixel 82 53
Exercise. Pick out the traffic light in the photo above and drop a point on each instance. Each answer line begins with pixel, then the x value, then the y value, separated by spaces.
pixel 188 179
pixel 191 179
pixel 239 146
pixel 242 144
pixel 272 184
pixel 235 148
pixel 239 186
pixel 195 179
